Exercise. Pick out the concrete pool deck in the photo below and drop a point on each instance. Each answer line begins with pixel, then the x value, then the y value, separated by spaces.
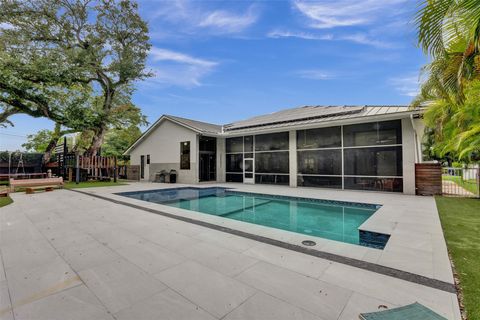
pixel 68 253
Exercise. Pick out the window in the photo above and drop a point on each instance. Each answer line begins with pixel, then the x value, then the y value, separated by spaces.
pixel 319 138
pixel 148 159
pixel 272 141
pixel 374 161
pixel 185 155
pixel 208 144
pixel 373 133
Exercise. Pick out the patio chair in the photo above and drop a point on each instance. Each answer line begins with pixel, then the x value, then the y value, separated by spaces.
pixel 414 311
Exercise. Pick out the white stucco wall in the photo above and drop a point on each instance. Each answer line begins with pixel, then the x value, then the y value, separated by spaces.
pixel 163 146
pixel 419 127
pixel 408 156
pixel 293 157
pixel 221 160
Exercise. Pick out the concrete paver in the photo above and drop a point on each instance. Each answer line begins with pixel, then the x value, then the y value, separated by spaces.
pixel 211 290
pixel 67 253
pixel 166 305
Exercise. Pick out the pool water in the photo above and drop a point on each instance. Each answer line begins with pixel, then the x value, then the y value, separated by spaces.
pixel 334 220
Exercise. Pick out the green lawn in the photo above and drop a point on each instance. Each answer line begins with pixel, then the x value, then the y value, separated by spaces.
pixel 461 224
pixel 4 201
pixel 92 184
pixel 470 185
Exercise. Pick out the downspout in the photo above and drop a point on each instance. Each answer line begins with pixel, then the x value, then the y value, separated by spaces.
pixel 417 147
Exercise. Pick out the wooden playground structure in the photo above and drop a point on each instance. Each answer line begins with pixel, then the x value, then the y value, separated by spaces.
pixel 21 170
pixel 76 167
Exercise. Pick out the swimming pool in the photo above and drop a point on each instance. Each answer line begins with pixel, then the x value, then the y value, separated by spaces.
pixel 334 220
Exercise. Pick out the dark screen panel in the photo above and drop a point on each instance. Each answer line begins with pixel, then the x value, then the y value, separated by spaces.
pixel 373 133
pixel 234 177
pixel 234 144
pixel 327 162
pixel 272 179
pixel 319 138
pixel 234 163
pixel 316 181
pixel 374 184
pixel 248 143
pixel 376 161
pixel 272 162
pixel 272 141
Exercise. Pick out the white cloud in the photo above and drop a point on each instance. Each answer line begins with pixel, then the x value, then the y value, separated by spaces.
pixel 298 34
pixel 315 74
pixel 159 54
pixel 172 68
pixel 362 38
pixel 228 22
pixel 406 85
pixel 193 17
pixel 342 13
pixel 359 38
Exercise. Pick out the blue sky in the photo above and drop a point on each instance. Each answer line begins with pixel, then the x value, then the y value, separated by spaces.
pixel 221 61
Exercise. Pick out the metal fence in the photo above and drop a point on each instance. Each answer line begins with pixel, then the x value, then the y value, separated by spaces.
pixel 461 182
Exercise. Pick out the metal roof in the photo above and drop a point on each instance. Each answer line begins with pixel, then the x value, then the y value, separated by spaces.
pixel 302 116
pixel 202 127
pixel 293 115
pixel 310 115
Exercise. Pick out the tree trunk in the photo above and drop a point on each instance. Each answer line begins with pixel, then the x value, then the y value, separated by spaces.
pixel 99 136
pixel 57 134
pixel 97 141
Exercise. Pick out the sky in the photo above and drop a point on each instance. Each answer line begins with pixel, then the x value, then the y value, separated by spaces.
pixel 223 61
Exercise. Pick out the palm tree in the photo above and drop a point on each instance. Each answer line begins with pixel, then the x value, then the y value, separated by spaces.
pixel 449 31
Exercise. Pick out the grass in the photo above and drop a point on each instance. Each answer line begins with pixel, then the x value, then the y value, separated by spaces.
pixel 93 184
pixel 5 201
pixel 470 185
pixel 461 224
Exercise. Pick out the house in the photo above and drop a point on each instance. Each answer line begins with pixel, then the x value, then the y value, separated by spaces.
pixel 340 147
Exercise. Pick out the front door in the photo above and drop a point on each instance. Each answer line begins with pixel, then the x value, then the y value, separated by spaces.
pixel 248 170
pixel 142 167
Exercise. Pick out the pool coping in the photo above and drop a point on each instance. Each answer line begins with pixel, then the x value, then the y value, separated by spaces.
pixel 362 264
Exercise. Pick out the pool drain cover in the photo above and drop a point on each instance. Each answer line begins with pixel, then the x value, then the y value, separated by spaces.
pixel 309 243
